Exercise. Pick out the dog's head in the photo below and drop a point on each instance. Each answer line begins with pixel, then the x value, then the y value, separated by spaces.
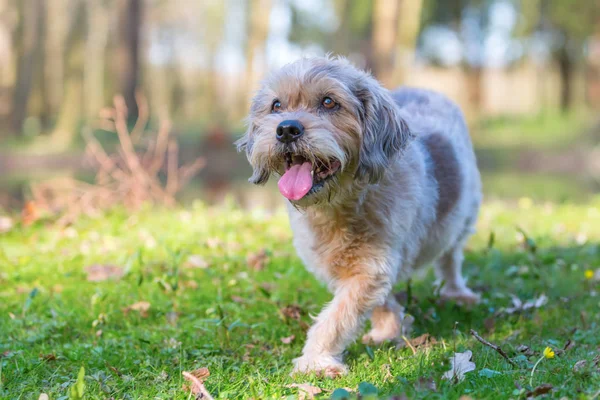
pixel 325 127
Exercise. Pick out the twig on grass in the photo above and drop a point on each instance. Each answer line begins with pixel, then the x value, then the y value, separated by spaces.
pixel 493 346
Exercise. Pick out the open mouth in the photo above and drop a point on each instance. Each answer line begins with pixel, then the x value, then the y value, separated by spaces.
pixel 303 177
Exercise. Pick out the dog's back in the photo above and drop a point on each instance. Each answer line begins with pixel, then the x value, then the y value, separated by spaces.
pixel 442 136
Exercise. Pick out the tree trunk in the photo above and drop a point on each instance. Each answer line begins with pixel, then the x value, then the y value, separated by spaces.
pixel 565 68
pixel 32 19
pixel 409 22
pixel 128 52
pixel 71 108
pixel 97 37
pixel 59 23
pixel 385 13
pixel 258 30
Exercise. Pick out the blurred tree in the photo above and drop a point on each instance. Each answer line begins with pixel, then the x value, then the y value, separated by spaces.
pixel 127 60
pixel 351 35
pixel 98 22
pixel 59 22
pixel 29 49
pixel 213 22
pixel 572 22
pixel 71 107
pixel 469 19
pixel 385 22
pixel 566 25
pixel 258 30
pixel 409 24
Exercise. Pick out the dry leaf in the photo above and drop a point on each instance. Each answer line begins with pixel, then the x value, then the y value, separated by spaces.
pixel 238 299
pixel 288 340
pixel 525 350
pixel 6 224
pixel 460 365
pixel 292 312
pixel 538 391
pixel 306 391
pixel 196 378
pixel 30 213
pixel 100 273
pixel 141 306
pixel 48 357
pixel 518 305
pixel 196 261
pixel 426 383
pixel 425 340
pixel 257 261
pixel 579 366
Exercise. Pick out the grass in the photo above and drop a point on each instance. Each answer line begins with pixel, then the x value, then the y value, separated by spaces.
pixel 222 311
pixel 544 131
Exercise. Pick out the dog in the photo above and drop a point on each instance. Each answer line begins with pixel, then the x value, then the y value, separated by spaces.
pixel 378 184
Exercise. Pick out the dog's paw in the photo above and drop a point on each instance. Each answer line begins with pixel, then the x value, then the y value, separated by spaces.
pixel 378 336
pixel 463 296
pixel 322 365
pixel 392 331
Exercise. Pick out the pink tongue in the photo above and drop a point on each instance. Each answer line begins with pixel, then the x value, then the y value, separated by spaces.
pixel 296 181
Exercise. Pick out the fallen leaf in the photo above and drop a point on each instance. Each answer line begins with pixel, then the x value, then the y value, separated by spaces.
pixel 569 345
pixel 100 272
pixel 172 317
pixel 288 340
pixel 426 383
pixel 48 357
pixel 6 224
pixel 238 299
pixel 30 213
pixel 489 324
pixel 538 391
pixel 191 284
pixel 425 340
pixel 525 350
pixel 519 306
pixel 306 391
pixel 196 261
pixel 258 260
pixel 292 311
pixel 196 378
pixel 141 306
pixel 579 366
pixel 460 365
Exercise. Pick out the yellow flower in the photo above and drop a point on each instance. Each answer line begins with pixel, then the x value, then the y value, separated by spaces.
pixel 548 352
pixel 589 274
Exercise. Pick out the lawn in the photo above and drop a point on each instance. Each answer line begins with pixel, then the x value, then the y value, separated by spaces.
pixel 138 299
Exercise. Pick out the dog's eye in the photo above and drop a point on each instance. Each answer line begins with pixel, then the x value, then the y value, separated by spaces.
pixel 276 107
pixel 328 103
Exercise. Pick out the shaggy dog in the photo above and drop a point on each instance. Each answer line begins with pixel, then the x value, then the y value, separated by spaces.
pixel 378 184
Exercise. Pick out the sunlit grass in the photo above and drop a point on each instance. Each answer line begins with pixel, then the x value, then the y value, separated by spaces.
pixel 225 314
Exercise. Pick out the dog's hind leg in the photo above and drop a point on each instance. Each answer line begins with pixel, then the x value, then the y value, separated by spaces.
pixel 449 270
pixel 388 322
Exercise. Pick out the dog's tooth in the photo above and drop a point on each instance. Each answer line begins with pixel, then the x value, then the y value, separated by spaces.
pixel 312 173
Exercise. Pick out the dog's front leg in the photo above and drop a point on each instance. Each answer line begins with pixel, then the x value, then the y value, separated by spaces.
pixel 339 323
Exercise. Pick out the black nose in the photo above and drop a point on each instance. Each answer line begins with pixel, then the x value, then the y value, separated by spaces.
pixel 289 130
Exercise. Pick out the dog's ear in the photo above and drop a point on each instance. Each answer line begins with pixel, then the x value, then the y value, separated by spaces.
pixel 260 176
pixel 384 132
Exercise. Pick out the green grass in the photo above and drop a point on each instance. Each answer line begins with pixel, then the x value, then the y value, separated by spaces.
pixel 545 131
pixel 227 317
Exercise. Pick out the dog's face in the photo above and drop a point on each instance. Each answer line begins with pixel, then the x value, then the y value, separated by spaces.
pixel 324 127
